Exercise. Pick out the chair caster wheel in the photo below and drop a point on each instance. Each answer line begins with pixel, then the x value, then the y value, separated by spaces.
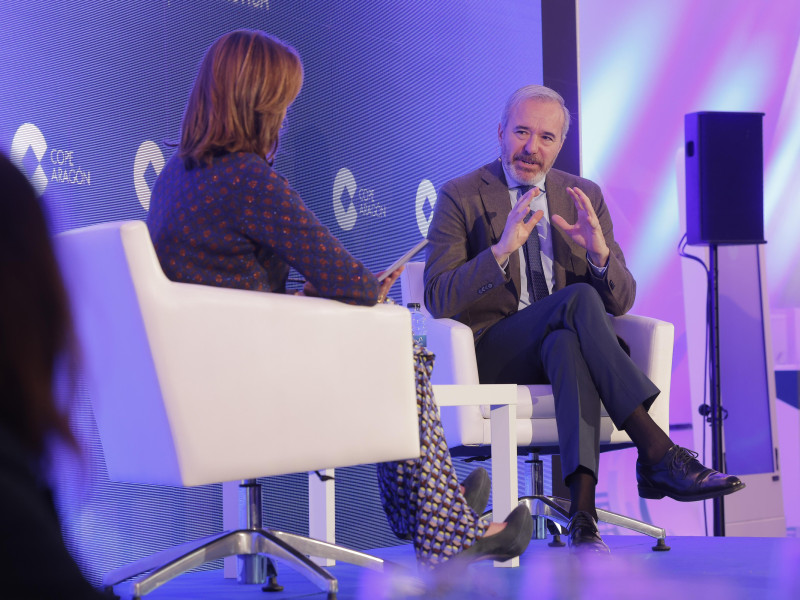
pixel 272 585
pixel 661 545
pixel 556 541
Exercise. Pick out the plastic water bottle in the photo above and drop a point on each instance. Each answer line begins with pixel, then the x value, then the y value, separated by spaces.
pixel 419 329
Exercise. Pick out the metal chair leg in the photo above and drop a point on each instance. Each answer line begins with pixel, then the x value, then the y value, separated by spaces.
pixel 556 509
pixel 253 545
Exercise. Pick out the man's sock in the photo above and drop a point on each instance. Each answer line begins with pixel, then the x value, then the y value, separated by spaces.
pixel 649 439
pixel 581 484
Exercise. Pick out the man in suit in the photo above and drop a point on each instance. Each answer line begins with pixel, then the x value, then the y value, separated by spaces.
pixel 525 255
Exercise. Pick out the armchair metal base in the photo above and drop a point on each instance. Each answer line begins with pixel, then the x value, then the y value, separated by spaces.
pixel 250 544
pixel 556 510
pixel 288 547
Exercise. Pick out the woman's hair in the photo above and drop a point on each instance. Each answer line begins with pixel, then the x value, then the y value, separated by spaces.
pixel 35 324
pixel 247 80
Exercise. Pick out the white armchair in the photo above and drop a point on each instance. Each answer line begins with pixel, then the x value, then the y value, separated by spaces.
pixel 193 384
pixel 468 428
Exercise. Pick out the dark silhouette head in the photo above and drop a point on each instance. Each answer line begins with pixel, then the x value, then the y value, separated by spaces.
pixel 35 324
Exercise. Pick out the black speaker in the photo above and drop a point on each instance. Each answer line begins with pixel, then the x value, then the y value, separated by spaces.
pixel 724 178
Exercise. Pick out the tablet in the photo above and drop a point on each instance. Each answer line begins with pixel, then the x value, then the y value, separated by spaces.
pixel 402 260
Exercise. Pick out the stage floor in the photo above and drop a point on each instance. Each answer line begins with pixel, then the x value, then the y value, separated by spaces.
pixel 695 568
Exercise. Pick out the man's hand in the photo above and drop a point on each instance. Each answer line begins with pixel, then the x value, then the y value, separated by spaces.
pixel 586 232
pixel 387 283
pixel 517 231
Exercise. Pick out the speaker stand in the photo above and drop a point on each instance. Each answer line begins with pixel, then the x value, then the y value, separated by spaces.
pixel 715 397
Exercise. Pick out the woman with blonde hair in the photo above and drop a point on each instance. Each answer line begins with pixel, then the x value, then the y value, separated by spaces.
pixel 221 215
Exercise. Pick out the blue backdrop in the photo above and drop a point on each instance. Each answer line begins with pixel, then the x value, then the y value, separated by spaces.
pixel 398 98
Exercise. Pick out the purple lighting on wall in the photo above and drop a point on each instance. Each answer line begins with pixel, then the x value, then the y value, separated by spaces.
pixel 645 65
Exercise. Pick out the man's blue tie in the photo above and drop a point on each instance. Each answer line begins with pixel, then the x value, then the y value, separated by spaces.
pixel 537 284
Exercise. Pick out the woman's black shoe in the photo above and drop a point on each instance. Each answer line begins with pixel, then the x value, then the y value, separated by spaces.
pixel 505 545
pixel 477 486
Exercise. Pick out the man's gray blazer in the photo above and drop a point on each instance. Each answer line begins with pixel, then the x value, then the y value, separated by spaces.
pixel 462 278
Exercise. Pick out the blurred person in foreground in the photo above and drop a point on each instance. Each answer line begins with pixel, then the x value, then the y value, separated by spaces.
pixel 221 215
pixel 35 336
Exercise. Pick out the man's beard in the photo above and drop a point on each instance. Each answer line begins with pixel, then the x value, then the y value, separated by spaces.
pixel 525 178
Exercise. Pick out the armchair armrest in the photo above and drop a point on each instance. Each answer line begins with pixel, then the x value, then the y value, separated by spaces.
pixel 651 343
pixel 454 346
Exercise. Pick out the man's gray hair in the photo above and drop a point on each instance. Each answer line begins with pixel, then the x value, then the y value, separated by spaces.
pixel 535 92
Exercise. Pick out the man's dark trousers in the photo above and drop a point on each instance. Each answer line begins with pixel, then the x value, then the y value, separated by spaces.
pixel 566 339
